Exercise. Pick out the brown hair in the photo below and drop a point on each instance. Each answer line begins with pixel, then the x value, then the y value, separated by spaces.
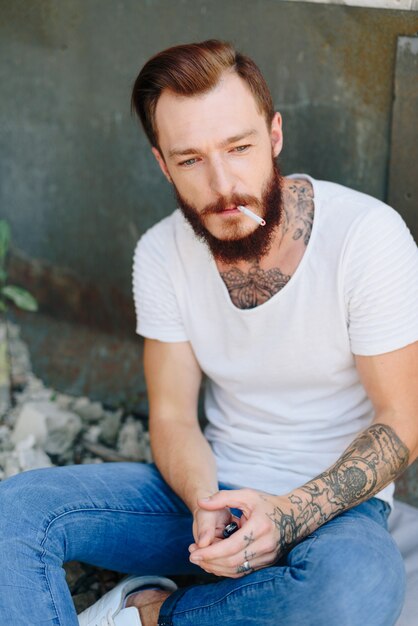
pixel 192 69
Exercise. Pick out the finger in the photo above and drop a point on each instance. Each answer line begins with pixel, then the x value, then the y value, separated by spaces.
pixel 205 537
pixel 209 525
pixel 219 532
pixel 205 530
pixel 238 520
pixel 233 545
pixel 263 554
pixel 193 546
pixel 242 563
pixel 234 498
pixel 241 568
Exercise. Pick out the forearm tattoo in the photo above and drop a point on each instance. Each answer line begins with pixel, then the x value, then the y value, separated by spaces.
pixel 374 459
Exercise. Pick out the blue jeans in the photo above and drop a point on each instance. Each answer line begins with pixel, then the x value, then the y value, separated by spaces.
pixel 124 517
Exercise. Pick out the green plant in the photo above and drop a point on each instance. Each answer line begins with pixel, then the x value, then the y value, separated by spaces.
pixel 20 297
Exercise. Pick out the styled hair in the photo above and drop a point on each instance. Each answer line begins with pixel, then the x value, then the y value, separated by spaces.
pixel 193 69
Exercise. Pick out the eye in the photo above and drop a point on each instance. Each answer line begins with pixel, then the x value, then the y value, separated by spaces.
pixel 241 148
pixel 188 162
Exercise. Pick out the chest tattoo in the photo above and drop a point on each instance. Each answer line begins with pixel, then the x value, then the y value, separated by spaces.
pixel 248 289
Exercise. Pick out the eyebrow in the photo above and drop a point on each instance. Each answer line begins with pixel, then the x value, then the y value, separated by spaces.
pixel 223 144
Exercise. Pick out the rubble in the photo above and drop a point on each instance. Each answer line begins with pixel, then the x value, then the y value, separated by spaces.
pixel 132 442
pixel 109 428
pixel 65 429
pixel 87 410
pixel 26 455
pixel 41 427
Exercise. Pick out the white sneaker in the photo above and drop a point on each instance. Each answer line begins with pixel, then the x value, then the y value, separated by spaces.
pixel 109 610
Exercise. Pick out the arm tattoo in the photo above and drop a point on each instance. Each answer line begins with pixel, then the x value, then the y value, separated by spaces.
pixel 374 459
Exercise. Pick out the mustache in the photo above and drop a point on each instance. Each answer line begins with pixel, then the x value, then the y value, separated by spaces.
pixel 234 200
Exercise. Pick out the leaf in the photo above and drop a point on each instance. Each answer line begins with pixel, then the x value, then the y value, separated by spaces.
pixel 20 297
pixel 4 239
pixel 3 275
pixel 3 307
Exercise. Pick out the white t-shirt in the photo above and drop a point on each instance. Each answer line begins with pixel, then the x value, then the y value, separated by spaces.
pixel 283 398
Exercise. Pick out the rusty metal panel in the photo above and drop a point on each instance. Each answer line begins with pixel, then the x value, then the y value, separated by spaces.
pixel 402 5
pixel 407 485
pixel 403 172
pixel 403 179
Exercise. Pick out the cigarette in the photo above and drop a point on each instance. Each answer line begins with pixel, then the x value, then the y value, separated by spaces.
pixel 253 216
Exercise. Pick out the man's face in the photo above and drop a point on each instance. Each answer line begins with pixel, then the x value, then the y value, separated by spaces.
pixel 218 152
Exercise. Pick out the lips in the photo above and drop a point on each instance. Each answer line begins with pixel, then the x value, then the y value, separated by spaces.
pixel 230 209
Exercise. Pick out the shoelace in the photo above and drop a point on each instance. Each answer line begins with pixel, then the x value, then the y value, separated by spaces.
pixel 106 621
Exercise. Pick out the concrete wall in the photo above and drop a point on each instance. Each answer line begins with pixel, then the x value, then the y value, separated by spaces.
pixel 77 180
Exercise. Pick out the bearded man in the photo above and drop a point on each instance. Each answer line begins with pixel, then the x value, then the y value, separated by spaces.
pixel 306 329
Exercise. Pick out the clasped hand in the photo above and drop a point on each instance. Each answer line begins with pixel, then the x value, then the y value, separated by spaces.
pixel 258 542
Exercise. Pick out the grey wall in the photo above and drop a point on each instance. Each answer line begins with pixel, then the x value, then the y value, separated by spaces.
pixel 78 183
pixel 77 180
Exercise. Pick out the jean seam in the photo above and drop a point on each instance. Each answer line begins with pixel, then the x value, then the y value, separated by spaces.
pixel 98 510
pixel 229 593
pixel 108 509
pixel 50 590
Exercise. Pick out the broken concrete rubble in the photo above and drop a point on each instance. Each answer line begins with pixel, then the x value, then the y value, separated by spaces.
pixel 42 427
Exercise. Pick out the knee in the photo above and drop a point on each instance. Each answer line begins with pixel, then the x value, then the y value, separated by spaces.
pixel 368 584
pixel 24 502
pixel 358 579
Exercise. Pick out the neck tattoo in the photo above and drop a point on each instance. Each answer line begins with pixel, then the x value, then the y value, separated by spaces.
pixel 248 289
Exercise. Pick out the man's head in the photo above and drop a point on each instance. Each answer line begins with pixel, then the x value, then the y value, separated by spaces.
pixel 208 114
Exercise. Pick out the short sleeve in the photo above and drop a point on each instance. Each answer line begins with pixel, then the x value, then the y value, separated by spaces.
pixel 157 311
pixel 381 286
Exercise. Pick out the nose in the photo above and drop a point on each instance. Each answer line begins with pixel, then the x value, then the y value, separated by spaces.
pixel 221 179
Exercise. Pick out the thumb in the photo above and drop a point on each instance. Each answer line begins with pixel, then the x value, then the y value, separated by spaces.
pixel 234 498
pixel 205 531
pixel 205 537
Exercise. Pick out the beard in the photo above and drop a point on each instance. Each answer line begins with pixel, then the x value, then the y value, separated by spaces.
pixel 237 246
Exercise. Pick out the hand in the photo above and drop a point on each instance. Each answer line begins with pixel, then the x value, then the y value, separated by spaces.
pixel 208 527
pixel 267 529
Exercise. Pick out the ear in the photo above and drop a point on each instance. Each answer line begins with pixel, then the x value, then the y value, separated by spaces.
pixel 161 163
pixel 276 134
